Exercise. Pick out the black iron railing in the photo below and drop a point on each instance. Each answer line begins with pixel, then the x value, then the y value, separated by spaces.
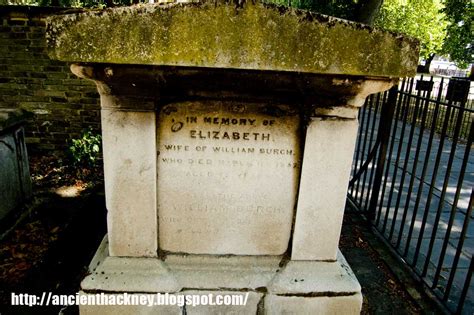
pixel 413 178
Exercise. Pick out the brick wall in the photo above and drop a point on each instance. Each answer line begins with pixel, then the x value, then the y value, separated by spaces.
pixel 62 104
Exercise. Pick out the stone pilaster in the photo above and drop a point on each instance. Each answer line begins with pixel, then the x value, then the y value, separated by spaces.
pixel 129 145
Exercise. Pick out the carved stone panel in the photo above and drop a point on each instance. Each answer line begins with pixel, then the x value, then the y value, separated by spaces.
pixel 227 177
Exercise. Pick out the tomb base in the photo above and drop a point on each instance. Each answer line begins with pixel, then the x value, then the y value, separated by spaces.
pixel 265 284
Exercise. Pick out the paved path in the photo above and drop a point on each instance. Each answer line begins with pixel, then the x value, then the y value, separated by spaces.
pixel 406 206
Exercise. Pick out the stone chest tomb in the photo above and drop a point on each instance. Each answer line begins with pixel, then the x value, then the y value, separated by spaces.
pixel 228 134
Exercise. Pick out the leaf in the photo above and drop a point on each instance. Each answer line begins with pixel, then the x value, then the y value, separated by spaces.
pixel 422 19
pixel 55 230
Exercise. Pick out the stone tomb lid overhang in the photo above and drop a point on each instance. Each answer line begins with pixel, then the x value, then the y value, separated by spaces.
pixel 217 34
pixel 170 84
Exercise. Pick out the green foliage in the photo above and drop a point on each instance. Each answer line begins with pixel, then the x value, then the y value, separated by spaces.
pixel 85 151
pixel 459 41
pixel 422 19
pixel 442 26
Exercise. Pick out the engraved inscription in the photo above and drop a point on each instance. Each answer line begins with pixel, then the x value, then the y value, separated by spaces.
pixel 227 178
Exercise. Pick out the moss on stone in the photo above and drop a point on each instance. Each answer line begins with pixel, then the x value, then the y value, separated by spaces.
pixel 219 35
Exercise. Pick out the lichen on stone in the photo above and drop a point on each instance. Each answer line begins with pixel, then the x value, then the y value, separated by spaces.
pixel 217 34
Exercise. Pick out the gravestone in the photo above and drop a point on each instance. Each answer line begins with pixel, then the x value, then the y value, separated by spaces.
pixel 424 85
pixel 458 89
pixel 228 134
pixel 15 186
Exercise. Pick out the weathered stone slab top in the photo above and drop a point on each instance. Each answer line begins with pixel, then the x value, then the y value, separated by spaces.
pixel 219 34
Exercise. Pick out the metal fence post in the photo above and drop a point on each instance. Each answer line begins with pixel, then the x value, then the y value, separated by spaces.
pixel 385 127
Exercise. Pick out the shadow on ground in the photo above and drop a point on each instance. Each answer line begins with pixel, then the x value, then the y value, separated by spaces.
pixel 49 251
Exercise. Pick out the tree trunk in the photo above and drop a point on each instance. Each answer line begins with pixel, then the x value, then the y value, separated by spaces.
pixel 426 67
pixel 367 11
pixel 471 75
